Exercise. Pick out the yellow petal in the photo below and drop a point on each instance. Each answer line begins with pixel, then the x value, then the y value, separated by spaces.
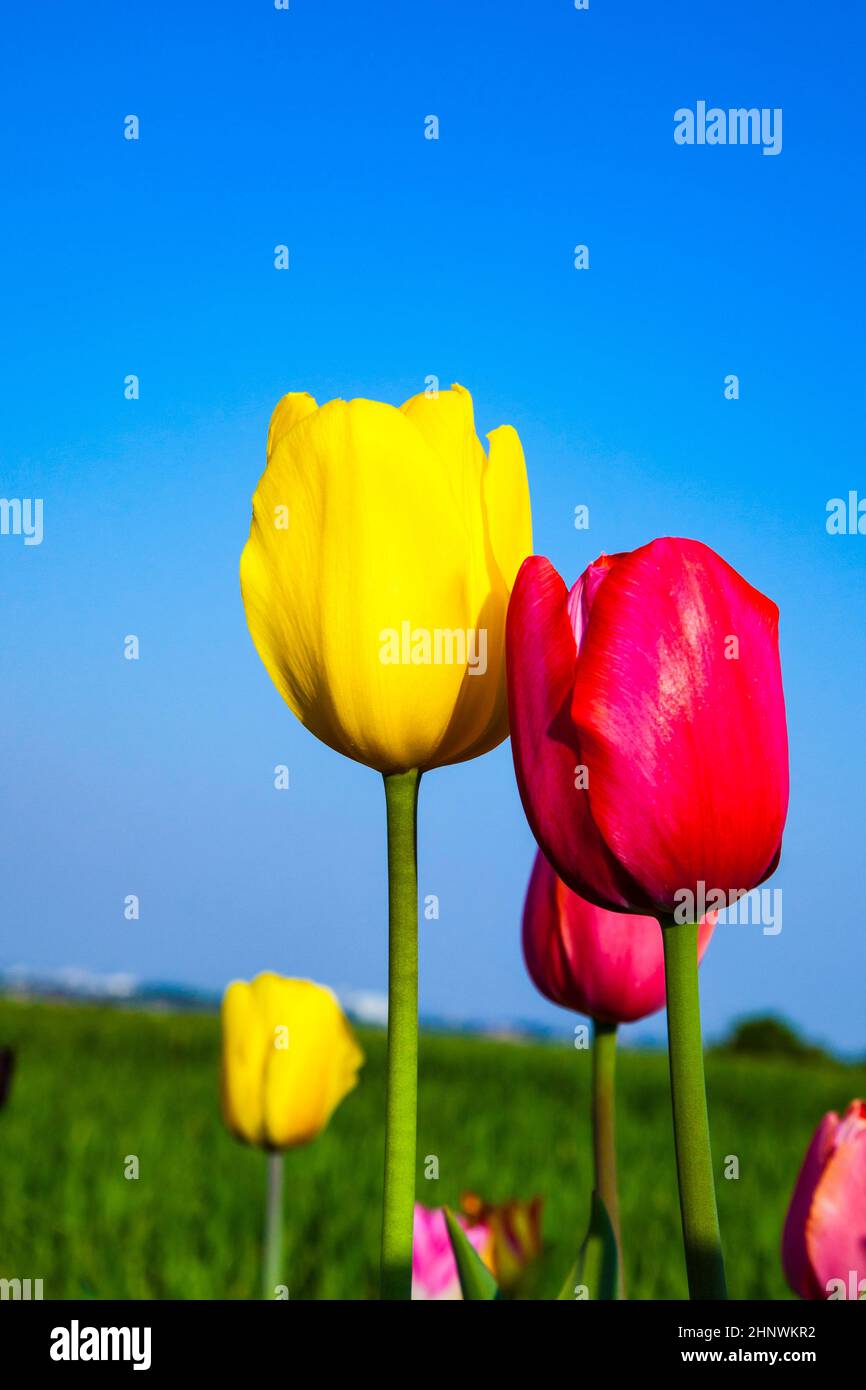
pixel 374 541
pixel 505 539
pixel 244 1046
pixel 376 578
pixel 508 517
pixel 447 422
pixel 289 1058
pixel 294 407
pixel 312 1062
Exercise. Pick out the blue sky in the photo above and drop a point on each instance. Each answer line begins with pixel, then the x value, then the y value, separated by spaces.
pixel 408 257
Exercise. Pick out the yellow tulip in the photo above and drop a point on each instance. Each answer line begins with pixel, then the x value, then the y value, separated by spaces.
pixel 289 1057
pixel 376 578
pixel 514 1240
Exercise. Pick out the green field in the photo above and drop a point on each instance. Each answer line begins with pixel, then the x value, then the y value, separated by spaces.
pixel 94 1085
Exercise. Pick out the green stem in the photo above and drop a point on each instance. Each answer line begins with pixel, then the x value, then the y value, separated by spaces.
pixel 703 1246
pixel 401 799
pixel 273 1241
pixel 604 1128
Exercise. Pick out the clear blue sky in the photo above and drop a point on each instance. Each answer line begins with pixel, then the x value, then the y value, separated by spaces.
pixel 408 257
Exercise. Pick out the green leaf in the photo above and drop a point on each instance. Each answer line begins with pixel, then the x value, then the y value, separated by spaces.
pixel 596 1267
pixel 476 1281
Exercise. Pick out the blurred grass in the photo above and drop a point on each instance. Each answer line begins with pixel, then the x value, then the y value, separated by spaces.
pixel 94 1085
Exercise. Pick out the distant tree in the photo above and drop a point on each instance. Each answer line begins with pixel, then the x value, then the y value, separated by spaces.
pixel 769 1036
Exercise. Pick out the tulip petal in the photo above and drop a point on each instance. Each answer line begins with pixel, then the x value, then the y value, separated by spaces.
pixel 795 1256
pixel 508 517
pixel 504 540
pixel 686 743
pixel 312 1057
pixel 614 960
pixel 289 1058
pixel 479 722
pixel 835 1231
pixel 541 658
pixel 607 965
pixel 327 598
pixel 288 412
pixel 447 422
pixel 377 572
pixel 244 1049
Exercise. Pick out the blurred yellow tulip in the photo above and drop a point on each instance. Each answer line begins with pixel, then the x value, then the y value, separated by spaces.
pixel 383 548
pixel 514 1240
pixel 289 1057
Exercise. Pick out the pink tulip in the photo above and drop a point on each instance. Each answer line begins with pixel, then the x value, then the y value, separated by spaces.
pixel 648 725
pixel 824 1241
pixel 434 1270
pixel 608 965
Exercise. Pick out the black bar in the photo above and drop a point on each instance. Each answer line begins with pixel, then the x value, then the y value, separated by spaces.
pixel 304 1339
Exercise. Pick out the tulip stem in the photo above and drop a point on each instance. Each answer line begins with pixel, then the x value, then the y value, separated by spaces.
pixel 401 799
pixel 273 1241
pixel 604 1128
pixel 702 1239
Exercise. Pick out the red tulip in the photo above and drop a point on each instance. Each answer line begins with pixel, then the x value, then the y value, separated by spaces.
pixel 648 725
pixel 608 965
pixel 824 1241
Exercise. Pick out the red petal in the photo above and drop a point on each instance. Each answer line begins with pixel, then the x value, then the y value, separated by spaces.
pixel 608 965
pixel 540 664
pixel 686 746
